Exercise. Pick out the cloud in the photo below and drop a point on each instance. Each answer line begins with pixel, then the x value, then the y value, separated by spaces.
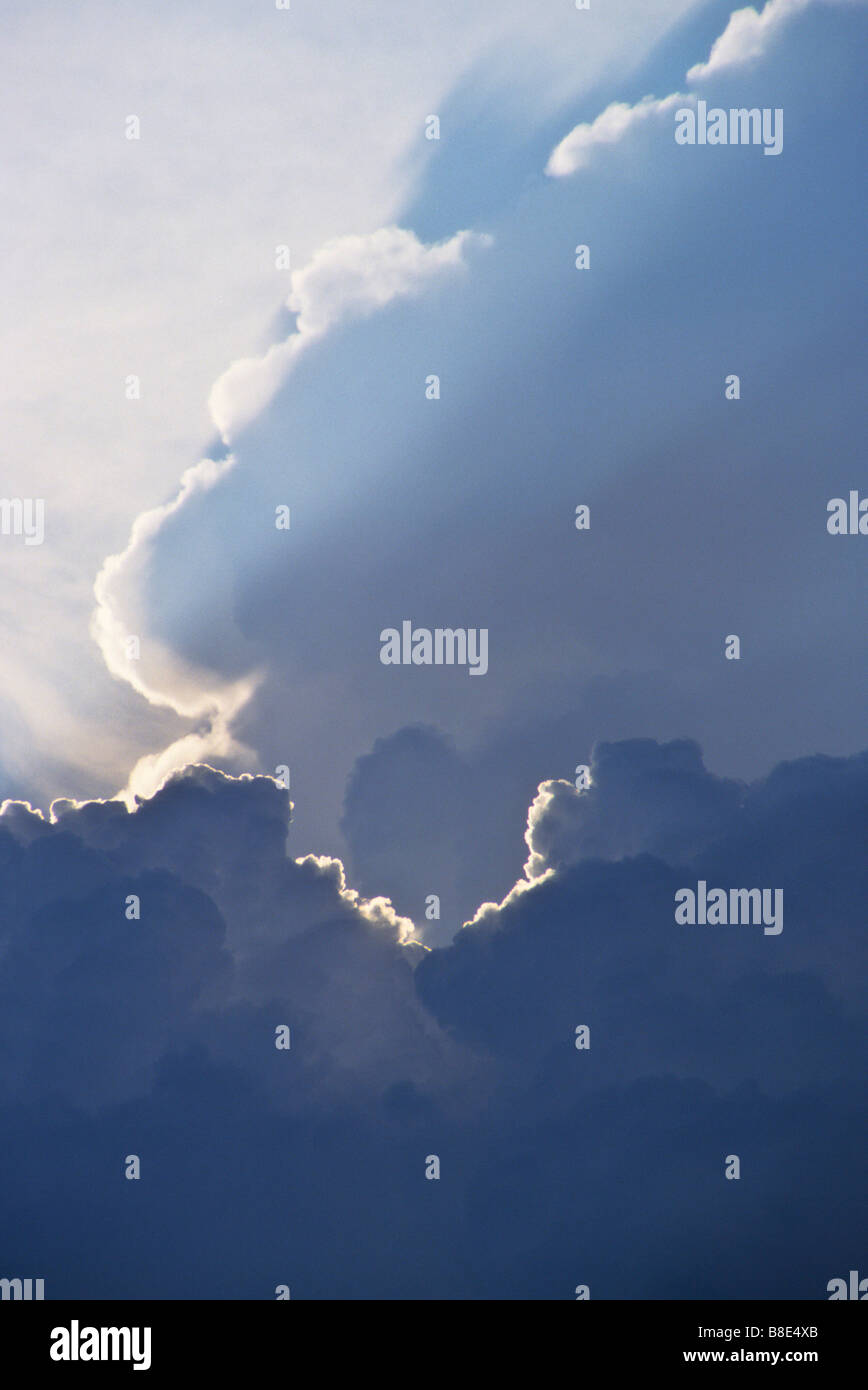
pixel 644 797
pixel 155 1033
pixel 117 577
pixel 749 34
pixel 336 149
pixel 157 670
pixel 575 150
pixel 156 1036
pixel 407 810
pixel 589 933
pixel 347 278
pixel 422 815
pixel 224 919
pixel 434 511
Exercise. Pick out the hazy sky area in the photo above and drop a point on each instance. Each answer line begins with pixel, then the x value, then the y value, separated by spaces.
pixel 433 351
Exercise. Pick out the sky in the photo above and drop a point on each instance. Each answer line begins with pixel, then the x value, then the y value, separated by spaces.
pixel 224 815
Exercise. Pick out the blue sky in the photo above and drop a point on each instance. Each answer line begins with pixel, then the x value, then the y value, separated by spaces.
pixel 258 649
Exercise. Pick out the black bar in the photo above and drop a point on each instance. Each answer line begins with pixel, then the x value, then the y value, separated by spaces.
pixel 223 1337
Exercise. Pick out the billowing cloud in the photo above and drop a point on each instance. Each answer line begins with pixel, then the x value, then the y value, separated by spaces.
pixel 138 920
pixel 433 509
pixel 575 150
pixel 324 135
pixel 152 1032
pixel 643 798
pixel 347 278
pixel 593 922
pixel 749 34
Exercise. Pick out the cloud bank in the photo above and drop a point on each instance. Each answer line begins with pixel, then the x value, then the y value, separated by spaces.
pixel 155 1035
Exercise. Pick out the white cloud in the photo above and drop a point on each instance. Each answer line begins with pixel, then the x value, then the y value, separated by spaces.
pixel 537 869
pixel 575 150
pixel 354 275
pixel 748 34
pixel 348 277
pixel 378 911
pixel 160 674
pixel 113 583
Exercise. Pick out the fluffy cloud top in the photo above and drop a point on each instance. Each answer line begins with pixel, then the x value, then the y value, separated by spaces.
pixel 749 33
pixel 575 150
pixel 346 278
pixel 747 37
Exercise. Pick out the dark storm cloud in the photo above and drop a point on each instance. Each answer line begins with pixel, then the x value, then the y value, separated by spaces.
pixel 156 1037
